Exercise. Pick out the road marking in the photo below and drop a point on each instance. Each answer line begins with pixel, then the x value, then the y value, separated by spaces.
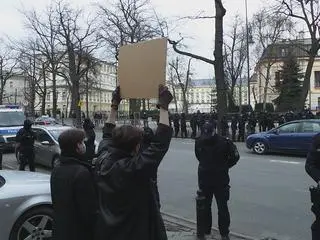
pixel 285 162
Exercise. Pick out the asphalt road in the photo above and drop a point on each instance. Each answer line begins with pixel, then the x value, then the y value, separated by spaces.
pixel 269 194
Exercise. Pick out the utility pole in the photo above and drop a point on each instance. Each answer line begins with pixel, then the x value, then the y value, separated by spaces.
pixel 248 54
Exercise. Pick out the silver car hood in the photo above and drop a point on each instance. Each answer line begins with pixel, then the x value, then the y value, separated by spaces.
pixel 19 183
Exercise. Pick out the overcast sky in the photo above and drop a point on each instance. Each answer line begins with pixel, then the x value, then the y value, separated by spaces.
pixel 200 33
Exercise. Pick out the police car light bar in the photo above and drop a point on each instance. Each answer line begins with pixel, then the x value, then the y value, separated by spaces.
pixel 10 107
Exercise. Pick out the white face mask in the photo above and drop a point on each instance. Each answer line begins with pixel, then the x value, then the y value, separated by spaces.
pixel 82 148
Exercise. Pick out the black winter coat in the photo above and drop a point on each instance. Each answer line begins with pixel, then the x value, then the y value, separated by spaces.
pixel 90 143
pixel 212 154
pixel 74 200
pixel 127 197
pixel 313 160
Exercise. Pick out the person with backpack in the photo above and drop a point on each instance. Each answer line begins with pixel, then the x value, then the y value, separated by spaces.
pixel 216 155
pixel 125 171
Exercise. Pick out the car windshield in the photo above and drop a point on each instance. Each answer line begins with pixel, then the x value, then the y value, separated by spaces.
pixel 2 181
pixel 11 119
pixel 56 133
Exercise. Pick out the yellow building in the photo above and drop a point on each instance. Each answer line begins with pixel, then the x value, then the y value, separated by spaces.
pixel 273 59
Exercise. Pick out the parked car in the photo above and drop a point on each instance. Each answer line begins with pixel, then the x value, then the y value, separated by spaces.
pixel 45 120
pixel 292 137
pixel 25 205
pixel 46 146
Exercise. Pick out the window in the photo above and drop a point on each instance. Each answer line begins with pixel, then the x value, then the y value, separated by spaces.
pixel 310 127
pixel 43 136
pixel 64 96
pixel 289 128
pixel 284 52
pixel 48 96
pixel 11 84
pixel 317 79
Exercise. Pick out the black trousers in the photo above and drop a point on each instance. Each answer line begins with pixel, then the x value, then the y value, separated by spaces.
pixel 315 227
pixel 222 196
pixel 241 136
pixel 234 132
pixel 176 131
pixel 194 132
pixel 184 133
pixel 27 158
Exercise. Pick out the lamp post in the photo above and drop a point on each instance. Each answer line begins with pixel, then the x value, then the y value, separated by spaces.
pixel 248 54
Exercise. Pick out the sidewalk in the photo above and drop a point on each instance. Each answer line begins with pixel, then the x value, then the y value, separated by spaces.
pixel 183 229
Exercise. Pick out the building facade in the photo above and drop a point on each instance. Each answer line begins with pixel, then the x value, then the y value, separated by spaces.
pixel 14 90
pixel 273 59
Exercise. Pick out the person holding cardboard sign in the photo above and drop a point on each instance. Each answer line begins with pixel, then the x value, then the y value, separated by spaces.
pixel 127 197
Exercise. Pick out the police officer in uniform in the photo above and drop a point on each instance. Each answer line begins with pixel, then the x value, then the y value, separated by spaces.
pixel 234 127
pixel 313 169
pixel 242 128
pixel 25 143
pixel 184 133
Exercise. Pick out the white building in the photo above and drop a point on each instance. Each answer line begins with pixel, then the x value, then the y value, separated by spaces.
pixel 14 90
pixel 275 56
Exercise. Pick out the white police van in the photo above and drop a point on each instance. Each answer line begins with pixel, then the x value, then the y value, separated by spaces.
pixel 11 121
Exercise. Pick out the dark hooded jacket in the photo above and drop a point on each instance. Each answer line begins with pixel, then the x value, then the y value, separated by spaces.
pixel 74 199
pixel 212 154
pixel 127 199
pixel 312 165
pixel 88 127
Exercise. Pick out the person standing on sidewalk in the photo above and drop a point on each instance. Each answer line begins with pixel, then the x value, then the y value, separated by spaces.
pixel 183 121
pixel 312 167
pixel 25 145
pixel 124 175
pixel 73 194
pixel 216 155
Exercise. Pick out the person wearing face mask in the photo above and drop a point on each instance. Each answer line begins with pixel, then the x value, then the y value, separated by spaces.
pixel 73 192
pixel 128 207
pixel 25 144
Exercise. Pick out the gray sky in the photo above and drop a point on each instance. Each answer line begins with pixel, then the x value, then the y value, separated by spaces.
pixel 200 34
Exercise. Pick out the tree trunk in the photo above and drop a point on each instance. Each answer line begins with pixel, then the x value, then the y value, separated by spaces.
pixel 306 83
pixel 218 67
pixel 265 90
pixel 87 95
pixel 134 105
pixel 1 92
pixel 144 104
pixel 54 94
pixel 44 93
pixel 174 95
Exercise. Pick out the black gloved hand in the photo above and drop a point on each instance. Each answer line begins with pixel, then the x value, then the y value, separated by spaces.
pixel 165 97
pixel 116 98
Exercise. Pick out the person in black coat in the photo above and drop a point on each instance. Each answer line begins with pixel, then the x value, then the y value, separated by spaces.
pixel 312 167
pixel 193 124
pixel 88 128
pixel 224 127
pixel 212 152
pixel 25 145
pixel 242 128
pixel 73 194
pixel 183 121
pixel 234 127
pixel 127 198
pixel 176 124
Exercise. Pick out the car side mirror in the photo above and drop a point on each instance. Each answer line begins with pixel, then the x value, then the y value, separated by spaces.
pixel 46 143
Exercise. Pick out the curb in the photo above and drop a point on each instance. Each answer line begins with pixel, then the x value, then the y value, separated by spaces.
pixel 191 224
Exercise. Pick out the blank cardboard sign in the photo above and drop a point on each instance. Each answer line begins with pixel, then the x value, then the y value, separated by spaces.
pixel 142 67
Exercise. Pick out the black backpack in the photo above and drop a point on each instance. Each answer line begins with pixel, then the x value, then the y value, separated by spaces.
pixel 233 153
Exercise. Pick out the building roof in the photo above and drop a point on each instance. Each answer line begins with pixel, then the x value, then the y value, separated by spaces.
pixel 202 82
pixel 281 50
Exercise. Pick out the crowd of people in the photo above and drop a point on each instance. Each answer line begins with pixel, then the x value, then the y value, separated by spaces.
pixel 115 196
pixel 235 126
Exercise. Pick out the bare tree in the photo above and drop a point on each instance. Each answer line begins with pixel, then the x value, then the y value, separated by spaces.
pixel 45 28
pixel 235 54
pixel 181 79
pixel 222 87
pixel 77 34
pixel 307 12
pixel 8 63
pixel 126 22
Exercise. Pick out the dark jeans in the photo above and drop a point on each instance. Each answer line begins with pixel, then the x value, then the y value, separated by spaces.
pixel 194 132
pixel 222 195
pixel 27 158
pixel 241 136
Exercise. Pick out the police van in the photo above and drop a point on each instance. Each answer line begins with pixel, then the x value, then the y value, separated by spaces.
pixel 11 121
